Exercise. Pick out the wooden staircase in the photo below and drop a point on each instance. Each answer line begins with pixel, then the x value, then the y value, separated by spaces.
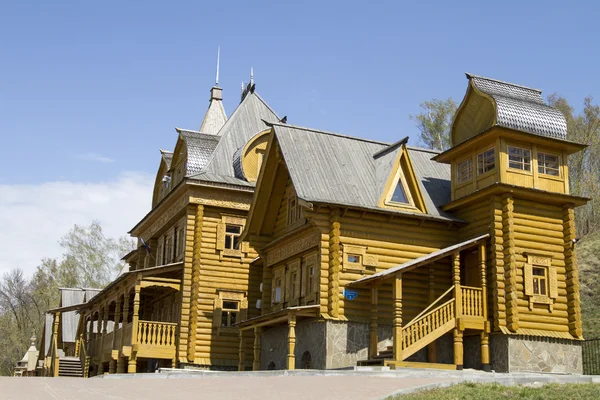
pixel 435 321
pixel 70 366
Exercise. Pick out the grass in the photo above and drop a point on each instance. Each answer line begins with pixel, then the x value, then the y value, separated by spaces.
pixel 473 391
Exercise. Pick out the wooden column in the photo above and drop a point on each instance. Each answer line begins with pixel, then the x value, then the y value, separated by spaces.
pixel 90 336
pixel 291 358
pixel 55 327
pixel 195 288
pixel 257 341
pixel 572 272
pixel 125 315
pixel 373 338
pixel 132 367
pixel 510 267
pixel 132 364
pixel 121 365
pixel 432 348
pixel 116 323
pixel 103 334
pixel 485 339
pixel 458 333
pixel 397 299
pixel 242 354
pixel 335 254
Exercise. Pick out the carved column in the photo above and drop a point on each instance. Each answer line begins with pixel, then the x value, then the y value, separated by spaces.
pixel 291 358
pixel 397 301
pixel 485 340
pixel 572 272
pixel 510 266
pixel 456 283
pixel 242 354
pixel 116 345
pixel 432 348
pixel 90 337
pixel 334 263
pixel 132 365
pixel 257 341
pixel 103 334
pixel 373 338
pixel 458 348
pixel 196 264
pixel 125 315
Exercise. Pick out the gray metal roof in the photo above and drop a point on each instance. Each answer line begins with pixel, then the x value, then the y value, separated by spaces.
pixel 522 108
pixel 215 116
pixel 229 180
pixel 167 156
pixel 424 260
pixel 200 146
pixel 238 170
pixel 330 168
pixel 245 122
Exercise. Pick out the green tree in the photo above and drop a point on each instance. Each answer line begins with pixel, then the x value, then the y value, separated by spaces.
pixel 584 166
pixel 435 122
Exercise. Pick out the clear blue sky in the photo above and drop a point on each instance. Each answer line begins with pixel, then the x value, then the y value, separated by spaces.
pixel 111 79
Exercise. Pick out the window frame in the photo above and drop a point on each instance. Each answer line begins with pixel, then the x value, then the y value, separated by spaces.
pixel 485 169
pixel 459 179
pixel 540 282
pixel 520 163
pixel 228 312
pixel 542 168
pixel 233 236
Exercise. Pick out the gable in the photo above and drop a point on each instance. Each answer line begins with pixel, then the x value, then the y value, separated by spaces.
pixel 160 186
pixel 248 160
pixel 401 189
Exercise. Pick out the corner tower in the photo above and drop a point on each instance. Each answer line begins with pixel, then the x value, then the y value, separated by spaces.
pixel 510 178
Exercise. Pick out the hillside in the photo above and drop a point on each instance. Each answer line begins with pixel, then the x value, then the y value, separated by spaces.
pixel 588 258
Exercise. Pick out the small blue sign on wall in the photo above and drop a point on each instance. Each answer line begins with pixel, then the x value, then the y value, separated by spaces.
pixel 350 294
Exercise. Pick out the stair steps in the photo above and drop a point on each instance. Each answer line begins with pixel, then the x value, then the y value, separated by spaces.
pixel 70 367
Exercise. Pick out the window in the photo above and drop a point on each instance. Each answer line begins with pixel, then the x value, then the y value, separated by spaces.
pixel 353 258
pixel 464 171
pixel 169 250
pixel 277 291
pixel 519 158
pixel 399 195
pixel 160 252
pixel 548 164
pixel 294 211
pixel 229 313
pixel 486 161
pixel 540 281
pixel 232 236
pixel 294 281
pixel 176 243
pixel 311 278
pixel 180 242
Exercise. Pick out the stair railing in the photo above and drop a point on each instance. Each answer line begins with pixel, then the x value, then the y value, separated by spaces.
pixel 84 359
pixel 432 305
pixel 427 323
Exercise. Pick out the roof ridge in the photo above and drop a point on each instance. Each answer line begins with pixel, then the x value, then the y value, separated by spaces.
pixel 470 76
pixel 265 103
pixel 423 149
pixel 165 151
pixel 391 147
pixel 325 132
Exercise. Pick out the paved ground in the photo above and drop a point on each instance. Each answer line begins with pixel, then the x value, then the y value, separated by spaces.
pixel 347 385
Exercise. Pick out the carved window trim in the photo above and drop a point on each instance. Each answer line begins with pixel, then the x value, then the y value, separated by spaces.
pixel 310 278
pixel 224 252
pixel 233 296
pixel 541 262
pixel 365 260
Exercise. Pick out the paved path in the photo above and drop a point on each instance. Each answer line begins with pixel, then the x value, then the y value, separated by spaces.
pixel 264 385
pixel 220 387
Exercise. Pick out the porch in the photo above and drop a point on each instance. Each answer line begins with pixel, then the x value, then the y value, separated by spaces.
pixel 133 321
pixel 460 309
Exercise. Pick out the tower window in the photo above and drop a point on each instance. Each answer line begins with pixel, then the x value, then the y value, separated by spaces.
pixel 399 195
pixel 519 158
pixel 486 161
pixel 548 164
pixel 232 236
pixel 464 171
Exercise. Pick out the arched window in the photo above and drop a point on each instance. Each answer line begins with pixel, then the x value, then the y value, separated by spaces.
pixel 306 360
pixel 271 366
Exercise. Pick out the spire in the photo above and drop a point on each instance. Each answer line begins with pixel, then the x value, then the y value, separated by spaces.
pixel 218 57
pixel 251 76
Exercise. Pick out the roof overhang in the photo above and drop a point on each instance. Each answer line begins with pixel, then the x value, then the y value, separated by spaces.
pixel 418 262
pixel 519 192
pixel 496 131
pixel 280 317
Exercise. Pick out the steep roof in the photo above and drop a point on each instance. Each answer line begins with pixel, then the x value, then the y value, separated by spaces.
pixel 522 108
pixel 331 168
pixel 167 156
pixel 215 116
pixel 243 124
pixel 200 146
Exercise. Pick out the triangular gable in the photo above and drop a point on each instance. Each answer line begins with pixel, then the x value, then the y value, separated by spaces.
pixel 163 169
pixel 400 189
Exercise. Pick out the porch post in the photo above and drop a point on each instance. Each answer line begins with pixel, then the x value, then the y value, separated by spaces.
pixel 485 340
pixel 257 341
pixel 132 365
pixel 373 339
pixel 90 336
pixel 432 348
pixel 125 314
pixel 397 298
pixel 103 333
pixel 458 332
pixel 55 327
pixel 242 355
pixel 116 323
pixel 291 358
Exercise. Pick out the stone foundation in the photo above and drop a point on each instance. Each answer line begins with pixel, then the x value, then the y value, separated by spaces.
pixel 535 354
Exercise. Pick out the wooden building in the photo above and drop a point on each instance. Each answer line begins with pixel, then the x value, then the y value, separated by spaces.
pixel 272 246
pixel 374 254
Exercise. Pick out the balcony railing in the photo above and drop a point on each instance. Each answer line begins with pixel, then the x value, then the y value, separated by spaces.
pixel 160 334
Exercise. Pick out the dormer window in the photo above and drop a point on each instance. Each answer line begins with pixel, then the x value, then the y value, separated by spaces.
pixel 519 158
pixel 486 161
pixel 399 195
